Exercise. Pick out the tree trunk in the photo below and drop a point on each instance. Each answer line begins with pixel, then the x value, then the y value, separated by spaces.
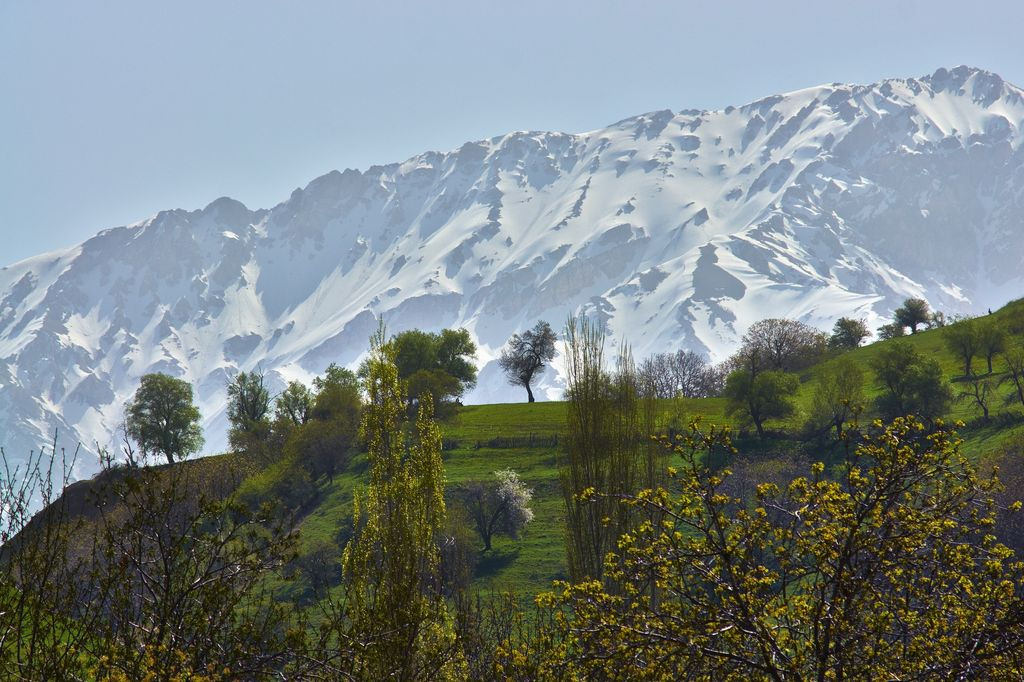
pixel 529 392
pixel 989 358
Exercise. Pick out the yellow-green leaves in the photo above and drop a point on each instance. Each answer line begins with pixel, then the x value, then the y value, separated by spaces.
pixel 392 565
pixel 883 569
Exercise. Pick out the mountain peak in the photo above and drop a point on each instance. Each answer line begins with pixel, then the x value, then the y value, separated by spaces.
pixel 839 200
pixel 982 85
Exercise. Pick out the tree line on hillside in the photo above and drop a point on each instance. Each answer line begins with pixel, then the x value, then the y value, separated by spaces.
pixel 304 435
pixel 763 377
pixel 163 422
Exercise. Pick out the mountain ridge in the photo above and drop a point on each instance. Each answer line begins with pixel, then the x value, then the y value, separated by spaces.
pixel 675 229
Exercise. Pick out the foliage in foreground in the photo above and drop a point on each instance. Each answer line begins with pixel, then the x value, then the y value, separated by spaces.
pixel 147 579
pixel 886 570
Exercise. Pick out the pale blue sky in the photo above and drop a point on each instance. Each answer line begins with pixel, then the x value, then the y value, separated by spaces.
pixel 112 111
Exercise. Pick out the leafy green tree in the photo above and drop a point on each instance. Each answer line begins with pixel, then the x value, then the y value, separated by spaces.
pixel 294 406
pixel 449 351
pixel 336 393
pixel 391 567
pixel 327 440
pixel 887 571
pixel 911 383
pixel 991 340
pixel 838 394
pixel 964 341
pixel 415 349
pixel 435 382
pixel 455 351
pixel 248 410
pixel 912 313
pixel 848 333
pixel 248 400
pixel 891 331
pixel 756 399
pixel 427 355
pixel 499 506
pixel 525 357
pixel 323 447
pixel 162 419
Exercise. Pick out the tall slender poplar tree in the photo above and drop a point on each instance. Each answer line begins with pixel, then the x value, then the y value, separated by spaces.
pixel 392 565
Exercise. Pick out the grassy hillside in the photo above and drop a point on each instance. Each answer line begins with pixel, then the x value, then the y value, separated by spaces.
pixel 525 437
pixel 978 437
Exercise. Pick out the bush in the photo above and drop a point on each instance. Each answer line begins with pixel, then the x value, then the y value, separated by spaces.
pixel 319 565
pixel 285 482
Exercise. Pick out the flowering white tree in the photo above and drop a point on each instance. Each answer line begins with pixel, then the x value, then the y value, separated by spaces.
pixel 499 506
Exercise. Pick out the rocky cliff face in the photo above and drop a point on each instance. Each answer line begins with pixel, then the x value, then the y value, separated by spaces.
pixel 676 229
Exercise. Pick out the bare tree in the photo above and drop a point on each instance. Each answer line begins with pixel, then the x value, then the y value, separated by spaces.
pixel 42 628
pixel 692 374
pixel 604 447
pixel 978 390
pixel 780 344
pixel 681 374
pixel 1014 362
pixel 658 375
pixel 139 572
pixel 525 356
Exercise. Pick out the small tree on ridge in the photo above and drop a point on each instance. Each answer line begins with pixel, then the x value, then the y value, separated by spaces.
pixel 912 313
pixel 525 356
pixel 162 419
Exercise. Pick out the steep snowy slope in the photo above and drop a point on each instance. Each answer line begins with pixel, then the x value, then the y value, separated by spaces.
pixel 677 229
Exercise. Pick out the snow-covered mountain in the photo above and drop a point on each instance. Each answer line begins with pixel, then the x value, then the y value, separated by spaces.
pixel 677 229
